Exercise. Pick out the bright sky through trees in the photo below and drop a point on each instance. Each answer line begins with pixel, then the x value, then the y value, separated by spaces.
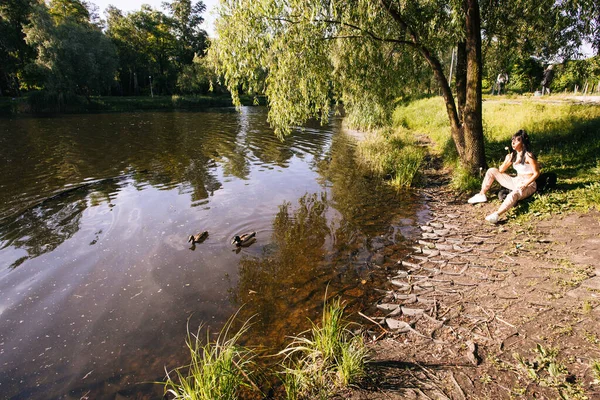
pixel 132 5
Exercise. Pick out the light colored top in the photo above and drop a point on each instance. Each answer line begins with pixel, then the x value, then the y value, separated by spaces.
pixel 523 169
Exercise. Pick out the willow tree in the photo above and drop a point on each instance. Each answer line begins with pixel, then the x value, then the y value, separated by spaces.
pixel 355 52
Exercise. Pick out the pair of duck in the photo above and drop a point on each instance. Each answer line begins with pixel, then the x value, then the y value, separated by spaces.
pixel 238 240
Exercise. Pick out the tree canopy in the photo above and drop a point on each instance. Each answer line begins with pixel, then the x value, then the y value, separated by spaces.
pixel 63 45
pixel 364 54
pixel 73 55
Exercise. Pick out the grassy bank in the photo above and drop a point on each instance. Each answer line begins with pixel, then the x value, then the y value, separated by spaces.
pixel 39 102
pixel 316 364
pixel 392 154
pixel 565 137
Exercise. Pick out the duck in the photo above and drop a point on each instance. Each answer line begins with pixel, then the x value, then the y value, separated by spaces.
pixel 244 239
pixel 200 237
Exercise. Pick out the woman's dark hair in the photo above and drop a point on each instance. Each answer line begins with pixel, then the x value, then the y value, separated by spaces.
pixel 526 146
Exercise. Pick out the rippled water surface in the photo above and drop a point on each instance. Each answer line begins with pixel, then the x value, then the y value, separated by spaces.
pixel 97 280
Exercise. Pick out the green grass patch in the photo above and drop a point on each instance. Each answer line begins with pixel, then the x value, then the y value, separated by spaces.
pixel 392 155
pixel 315 364
pixel 218 369
pixel 463 180
pixel 323 359
pixel 596 371
pixel 547 370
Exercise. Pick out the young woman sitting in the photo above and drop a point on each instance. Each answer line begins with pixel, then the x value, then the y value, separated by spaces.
pixel 521 186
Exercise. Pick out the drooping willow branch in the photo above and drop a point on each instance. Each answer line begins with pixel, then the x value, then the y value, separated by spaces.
pixel 347 25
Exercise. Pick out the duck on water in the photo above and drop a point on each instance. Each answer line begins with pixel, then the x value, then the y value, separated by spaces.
pixel 244 240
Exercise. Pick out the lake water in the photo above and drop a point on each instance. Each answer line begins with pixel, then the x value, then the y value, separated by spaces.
pixel 97 279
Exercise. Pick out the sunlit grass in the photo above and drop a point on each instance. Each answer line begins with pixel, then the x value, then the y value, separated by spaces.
pixel 323 359
pixel 565 138
pixel 392 155
pixel 463 180
pixel 218 369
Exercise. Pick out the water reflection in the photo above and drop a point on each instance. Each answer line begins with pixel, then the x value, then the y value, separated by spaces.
pixel 97 279
pixel 276 287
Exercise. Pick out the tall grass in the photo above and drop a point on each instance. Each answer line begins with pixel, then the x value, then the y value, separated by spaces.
pixel 326 358
pixel 392 154
pixel 323 359
pixel 217 370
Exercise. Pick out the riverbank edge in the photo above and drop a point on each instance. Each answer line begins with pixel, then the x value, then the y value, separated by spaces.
pixel 35 105
pixel 487 347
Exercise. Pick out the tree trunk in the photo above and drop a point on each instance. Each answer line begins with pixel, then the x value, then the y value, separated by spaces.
pixel 461 78
pixel 467 131
pixel 474 155
pixel 455 124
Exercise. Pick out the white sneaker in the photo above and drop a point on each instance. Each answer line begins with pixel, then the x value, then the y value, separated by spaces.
pixel 478 198
pixel 493 218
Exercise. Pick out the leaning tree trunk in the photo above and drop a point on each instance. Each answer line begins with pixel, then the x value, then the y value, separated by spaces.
pixel 455 124
pixel 466 124
pixel 474 156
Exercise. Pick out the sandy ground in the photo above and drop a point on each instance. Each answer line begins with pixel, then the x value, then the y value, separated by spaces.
pixel 483 311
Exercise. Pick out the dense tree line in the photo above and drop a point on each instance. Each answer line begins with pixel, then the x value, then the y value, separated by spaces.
pixel 64 47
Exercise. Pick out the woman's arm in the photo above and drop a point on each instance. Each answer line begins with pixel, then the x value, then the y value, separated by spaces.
pixel 506 164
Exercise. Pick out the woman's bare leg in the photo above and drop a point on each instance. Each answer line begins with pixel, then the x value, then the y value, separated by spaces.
pixel 493 174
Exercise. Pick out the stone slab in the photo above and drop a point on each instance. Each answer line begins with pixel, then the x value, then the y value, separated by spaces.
pixel 592 283
pixel 583 294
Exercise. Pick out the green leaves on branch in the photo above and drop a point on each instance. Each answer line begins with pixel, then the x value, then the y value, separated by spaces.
pixel 306 56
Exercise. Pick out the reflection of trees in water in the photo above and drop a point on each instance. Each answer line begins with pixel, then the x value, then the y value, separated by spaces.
pixel 44 227
pixel 288 277
pixel 368 206
pixel 174 148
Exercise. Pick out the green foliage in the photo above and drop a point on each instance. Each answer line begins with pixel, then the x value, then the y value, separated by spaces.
pixel 195 77
pixel 577 73
pixel 74 57
pixel 521 39
pixel 217 370
pixel 186 21
pixel 392 155
pixel 145 42
pixel 330 358
pixel 15 54
pixel 68 10
pixel 303 55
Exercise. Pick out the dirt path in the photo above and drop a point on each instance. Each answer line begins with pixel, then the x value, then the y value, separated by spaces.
pixel 479 311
